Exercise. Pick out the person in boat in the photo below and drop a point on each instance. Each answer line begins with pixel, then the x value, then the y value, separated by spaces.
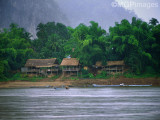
pixel 61 87
pixel 67 87
pixel 122 84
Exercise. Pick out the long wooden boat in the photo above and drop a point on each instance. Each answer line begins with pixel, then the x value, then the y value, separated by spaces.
pixel 121 85
pixel 95 85
pixel 139 85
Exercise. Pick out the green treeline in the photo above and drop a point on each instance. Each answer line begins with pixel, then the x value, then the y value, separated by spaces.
pixel 15 49
pixel 136 42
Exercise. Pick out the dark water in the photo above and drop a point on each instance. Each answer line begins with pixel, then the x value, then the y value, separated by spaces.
pixel 121 103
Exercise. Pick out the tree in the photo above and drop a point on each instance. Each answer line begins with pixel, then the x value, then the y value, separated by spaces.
pixel 153 22
pixel 156 47
pixel 14 49
pixel 51 39
pixel 89 43
pixel 132 42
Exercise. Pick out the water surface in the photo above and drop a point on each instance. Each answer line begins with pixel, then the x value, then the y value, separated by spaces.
pixel 116 103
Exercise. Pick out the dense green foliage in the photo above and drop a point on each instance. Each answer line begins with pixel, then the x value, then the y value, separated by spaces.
pixel 89 44
pixel 15 49
pixel 137 43
pixel 133 42
pixel 50 41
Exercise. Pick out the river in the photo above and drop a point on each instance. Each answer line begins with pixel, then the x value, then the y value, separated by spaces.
pixel 114 103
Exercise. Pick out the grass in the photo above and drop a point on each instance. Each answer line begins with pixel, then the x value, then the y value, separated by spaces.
pixel 24 77
pixel 103 75
pixel 144 75
pixel 55 77
pixel 74 78
pixel 70 78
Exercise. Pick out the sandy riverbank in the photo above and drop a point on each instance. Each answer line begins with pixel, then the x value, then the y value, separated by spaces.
pixel 81 82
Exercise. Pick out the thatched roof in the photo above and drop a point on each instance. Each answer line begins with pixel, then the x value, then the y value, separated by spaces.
pixel 110 63
pixel 70 62
pixel 41 62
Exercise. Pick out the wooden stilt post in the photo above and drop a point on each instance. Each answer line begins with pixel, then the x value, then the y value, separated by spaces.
pixel 81 74
pixel 45 72
pixel 27 71
pixel 122 69
pixel 116 69
pixel 36 72
pixel 77 73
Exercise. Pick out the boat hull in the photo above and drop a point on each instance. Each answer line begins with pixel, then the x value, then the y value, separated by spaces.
pixel 95 85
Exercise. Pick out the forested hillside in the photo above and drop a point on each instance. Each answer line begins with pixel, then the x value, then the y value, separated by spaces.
pixel 136 42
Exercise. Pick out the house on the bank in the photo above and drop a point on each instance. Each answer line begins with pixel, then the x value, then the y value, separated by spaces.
pixel 111 67
pixel 41 66
pixel 70 65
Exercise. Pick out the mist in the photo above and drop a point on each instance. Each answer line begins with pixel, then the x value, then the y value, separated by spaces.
pixel 100 11
pixel 29 13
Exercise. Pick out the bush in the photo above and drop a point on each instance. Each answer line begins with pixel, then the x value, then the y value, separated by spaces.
pixel 74 78
pixel 24 77
pixel 144 75
pixel 129 75
pixel 150 70
pixel 85 73
pixel 16 76
pixel 117 75
pixel 103 74
pixel 55 77
pixel 91 75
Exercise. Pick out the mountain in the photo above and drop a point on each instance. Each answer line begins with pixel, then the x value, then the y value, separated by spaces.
pixel 29 13
pixel 101 11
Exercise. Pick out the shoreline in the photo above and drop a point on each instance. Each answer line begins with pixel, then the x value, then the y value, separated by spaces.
pixel 47 83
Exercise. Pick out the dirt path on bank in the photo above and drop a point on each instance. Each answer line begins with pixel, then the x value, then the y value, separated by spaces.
pixel 81 82
pixel 26 84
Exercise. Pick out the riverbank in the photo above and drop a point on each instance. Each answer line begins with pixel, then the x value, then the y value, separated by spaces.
pixel 47 82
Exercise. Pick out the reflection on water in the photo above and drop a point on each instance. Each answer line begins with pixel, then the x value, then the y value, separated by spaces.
pixel 121 103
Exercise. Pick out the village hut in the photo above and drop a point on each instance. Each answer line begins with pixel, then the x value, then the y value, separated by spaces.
pixel 111 66
pixel 41 66
pixel 70 65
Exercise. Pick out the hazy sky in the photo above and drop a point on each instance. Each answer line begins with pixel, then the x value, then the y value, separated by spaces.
pixel 145 9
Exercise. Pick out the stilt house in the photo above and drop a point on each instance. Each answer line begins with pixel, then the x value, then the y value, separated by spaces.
pixel 70 65
pixel 41 66
pixel 111 67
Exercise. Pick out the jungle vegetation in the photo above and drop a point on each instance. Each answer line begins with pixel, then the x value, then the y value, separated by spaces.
pixel 136 42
